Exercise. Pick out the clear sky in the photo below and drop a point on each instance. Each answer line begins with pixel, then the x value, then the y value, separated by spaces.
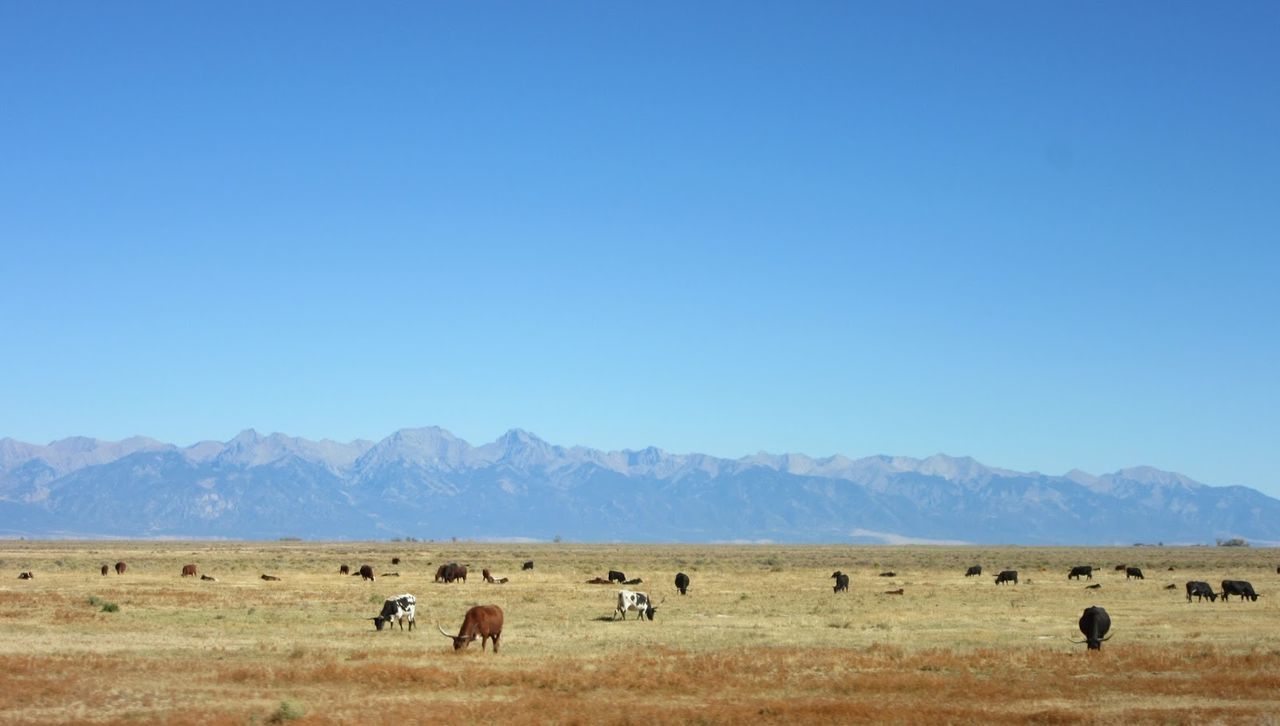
pixel 1043 235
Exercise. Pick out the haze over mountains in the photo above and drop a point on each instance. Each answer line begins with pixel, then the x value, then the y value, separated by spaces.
pixel 429 484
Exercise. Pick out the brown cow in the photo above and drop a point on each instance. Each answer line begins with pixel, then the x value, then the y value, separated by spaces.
pixel 483 622
pixel 26 576
pixel 893 592
pixel 271 578
pixel 206 578
pixel 487 577
pixel 120 567
pixel 395 560
pixel 188 570
pixel 344 570
pixel 366 573
pixel 105 570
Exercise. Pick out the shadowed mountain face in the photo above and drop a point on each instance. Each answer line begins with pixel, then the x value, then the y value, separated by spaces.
pixel 427 483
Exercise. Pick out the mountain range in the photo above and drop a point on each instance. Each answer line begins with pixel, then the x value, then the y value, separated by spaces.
pixel 429 484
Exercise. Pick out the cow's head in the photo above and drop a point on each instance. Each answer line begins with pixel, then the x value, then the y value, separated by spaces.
pixel 650 611
pixel 459 641
pixel 380 621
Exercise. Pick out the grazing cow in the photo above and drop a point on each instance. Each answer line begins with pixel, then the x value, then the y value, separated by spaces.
pixel 682 582
pixel 1094 624
pixel 454 571
pixel 398 608
pixel 842 581
pixel 206 578
pixel 483 622
pixel 1121 568
pixel 120 567
pixel 972 571
pixel 1133 572
pixel 344 570
pixel 188 570
pixel 528 565
pixel 105 570
pixel 893 592
pixel 1238 587
pixel 638 601
pixel 395 560
pixel 616 576
pixel 1094 586
pixel 599 581
pixel 26 576
pixel 365 573
pixel 1201 590
pixel 487 577
pixel 1080 571
pixel 271 578
pixel 634 581
pixel 1007 576
pixel 888 574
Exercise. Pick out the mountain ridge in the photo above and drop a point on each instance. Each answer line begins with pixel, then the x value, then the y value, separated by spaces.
pixel 428 483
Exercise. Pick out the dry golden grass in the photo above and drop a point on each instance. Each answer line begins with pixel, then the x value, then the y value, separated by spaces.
pixel 760 637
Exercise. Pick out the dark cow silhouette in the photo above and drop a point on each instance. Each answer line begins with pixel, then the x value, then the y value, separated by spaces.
pixel 365 573
pixel 888 574
pixel 271 578
pixel 1121 568
pixel 344 570
pixel 483 622
pixel 1094 624
pixel 26 576
pixel 1200 590
pixel 206 578
pixel 894 592
pixel 528 565
pixel 1134 573
pixel 451 572
pixel 1094 586
pixel 398 608
pixel 682 582
pixel 1080 571
pixel 1007 576
pixel 188 570
pixel 616 576
pixel 1238 587
pixel 973 571
pixel 395 560
pixel 105 570
pixel 842 581
pixel 1171 586
pixel 120 568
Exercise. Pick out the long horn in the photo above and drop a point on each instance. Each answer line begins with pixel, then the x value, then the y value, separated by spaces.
pixel 1077 642
pixel 1108 637
pixel 443 633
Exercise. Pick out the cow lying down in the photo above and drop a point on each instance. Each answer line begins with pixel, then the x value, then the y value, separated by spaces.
pixel 398 608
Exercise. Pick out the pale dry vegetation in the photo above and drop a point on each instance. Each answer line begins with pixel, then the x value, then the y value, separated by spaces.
pixel 760 637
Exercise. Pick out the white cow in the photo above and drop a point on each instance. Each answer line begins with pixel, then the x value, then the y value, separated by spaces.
pixel 638 601
pixel 398 608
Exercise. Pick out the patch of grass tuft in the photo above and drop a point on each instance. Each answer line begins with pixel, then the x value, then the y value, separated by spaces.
pixel 287 711
pixel 110 607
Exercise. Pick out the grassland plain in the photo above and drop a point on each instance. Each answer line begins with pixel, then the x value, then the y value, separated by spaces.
pixel 760 637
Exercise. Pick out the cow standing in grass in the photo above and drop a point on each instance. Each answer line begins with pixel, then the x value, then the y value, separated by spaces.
pixel 398 608
pixel 483 622
pixel 638 601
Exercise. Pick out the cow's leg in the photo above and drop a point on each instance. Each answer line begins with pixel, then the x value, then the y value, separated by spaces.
pixel 495 641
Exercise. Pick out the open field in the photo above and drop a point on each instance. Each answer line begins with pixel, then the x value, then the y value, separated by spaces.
pixel 760 637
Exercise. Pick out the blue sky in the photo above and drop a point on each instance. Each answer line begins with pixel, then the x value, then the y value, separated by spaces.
pixel 1044 236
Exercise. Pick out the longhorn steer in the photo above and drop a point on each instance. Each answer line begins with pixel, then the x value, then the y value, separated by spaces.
pixel 842 582
pixel 682 582
pixel 1238 587
pixel 638 601
pixel 1094 624
pixel 398 608
pixel 1080 571
pixel 483 622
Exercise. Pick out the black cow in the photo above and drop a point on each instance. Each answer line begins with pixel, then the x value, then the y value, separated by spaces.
pixel 451 572
pixel 1094 624
pixel 365 573
pixel 527 565
pixel 1007 576
pixel 1080 571
pixel 1134 573
pixel 682 582
pixel 615 576
pixel 842 581
pixel 972 571
pixel 1238 587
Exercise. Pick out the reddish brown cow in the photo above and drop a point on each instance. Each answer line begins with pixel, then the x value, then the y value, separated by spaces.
pixel 366 572
pixel 188 570
pixel 483 622
pixel 344 570
pixel 105 570
pixel 120 567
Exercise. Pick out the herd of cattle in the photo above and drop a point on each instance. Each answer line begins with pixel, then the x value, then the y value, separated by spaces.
pixel 484 622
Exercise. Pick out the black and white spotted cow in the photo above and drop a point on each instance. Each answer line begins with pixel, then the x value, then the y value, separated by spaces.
pixel 397 609
pixel 638 601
